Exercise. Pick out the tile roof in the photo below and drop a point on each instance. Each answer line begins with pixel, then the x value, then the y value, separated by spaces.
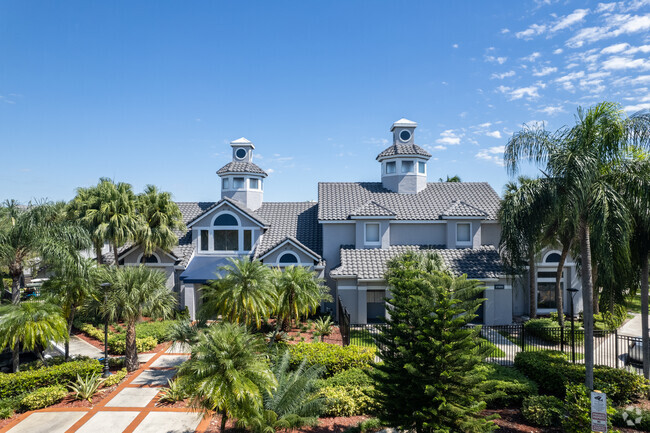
pixel 483 262
pixel 460 208
pixel 372 208
pixel 190 211
pixel 338 201
pixel 241 167
pixel 403 149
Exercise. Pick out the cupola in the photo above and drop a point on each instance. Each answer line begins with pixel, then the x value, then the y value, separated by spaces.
pixel 404 163
pixel 242 180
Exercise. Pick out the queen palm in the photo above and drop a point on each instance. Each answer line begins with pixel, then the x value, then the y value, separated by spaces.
pixel 244 293
pixel 159 219
pixel 299 293
pixel 31 325
pixel 135 291
pixel 228 372
pixel 577 157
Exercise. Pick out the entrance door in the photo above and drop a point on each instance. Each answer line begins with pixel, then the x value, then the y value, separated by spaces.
pixel 376 307
pixel 546 299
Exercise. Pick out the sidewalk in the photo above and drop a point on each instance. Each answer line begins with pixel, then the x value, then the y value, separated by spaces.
pixel 129 408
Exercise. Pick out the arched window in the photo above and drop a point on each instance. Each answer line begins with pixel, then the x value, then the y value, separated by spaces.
pixel 226 220
pixel 553 258
pixel 288 259
pixel 226 238
pixel 151 259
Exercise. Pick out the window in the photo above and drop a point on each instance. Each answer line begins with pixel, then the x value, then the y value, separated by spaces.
pixel 238 183
pixel 422 167
pixel 248 240
pixel 254 183
pixel 553 258
pixel 463 233
pixel 407 166
pixel 240 153
pixel 226 220
pixel 288 258
pixel 205 242
pixel 226 240
pixel 225 184
pixel 372 233
pixel 151 259
pixel 405 135
pixel 390 167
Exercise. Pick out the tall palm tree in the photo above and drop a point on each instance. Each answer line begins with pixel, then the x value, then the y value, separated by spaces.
pixel 159 218
pixel 135 291
pixel 299 293
pixel 228 372
pixel 578 157
pixel 31 325
pixel 244 293
pixel 71 287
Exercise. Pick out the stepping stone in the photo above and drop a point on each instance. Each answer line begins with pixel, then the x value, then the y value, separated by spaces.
pixel 133 397
pixel 169 422
pixel 108 422
pixel 48 422
pixel 170 361
pixel 144 357
pixel 154 377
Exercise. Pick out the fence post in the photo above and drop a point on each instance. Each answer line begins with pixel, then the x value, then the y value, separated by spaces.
pixel 523 338
pixel 616 346
pixel 562 339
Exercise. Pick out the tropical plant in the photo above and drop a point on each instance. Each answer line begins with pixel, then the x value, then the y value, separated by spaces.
pixel 323 326
pixel 173 393
pixel 578 159
pixel 31 325
pixel 243 293
pixel 86 387
pixel 159 221
pixel 299 292
pixel 227 372
pixel 433 384
pixel 135 291
pixel 454 178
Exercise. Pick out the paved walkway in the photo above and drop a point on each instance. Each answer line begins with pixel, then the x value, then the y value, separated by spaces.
pixel 129 408
pixel 632 327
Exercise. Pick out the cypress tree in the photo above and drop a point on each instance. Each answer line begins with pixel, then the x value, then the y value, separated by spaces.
pixel 428 381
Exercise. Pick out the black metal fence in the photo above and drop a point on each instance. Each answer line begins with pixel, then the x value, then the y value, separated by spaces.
pixel 502 343
pixel 344 323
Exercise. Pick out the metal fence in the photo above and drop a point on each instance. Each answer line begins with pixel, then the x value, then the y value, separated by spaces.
pixel 503 343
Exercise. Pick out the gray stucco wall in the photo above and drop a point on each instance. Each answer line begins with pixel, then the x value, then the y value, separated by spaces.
pixel 497 309
pixel 206 221
pixel 418 234
pixel 490 234
pixel 404 183
pixel 384 233
pixel 252 199
pixel 335 235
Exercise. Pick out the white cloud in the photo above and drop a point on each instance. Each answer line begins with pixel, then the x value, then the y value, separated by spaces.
pixel 503 75
pixel 492 154
pixel 615 25
pixel 571 76
pixel 269 170
pixel 439 147
pixel 575 17
pixel 449 137
pixel 552 109
pixel 493 59
pixel 455 46
pixel 529 92
pixel 544 71
pixel 643 49
pixel 637 107
pixel 605 7
pixel 640 79
pixel 493 134
pixel 558 51
pixel 587 34
pixel 533 30
pixel 534 56
pixel 485 125
pixel 504 31
pixel 613 49
pixel 619 63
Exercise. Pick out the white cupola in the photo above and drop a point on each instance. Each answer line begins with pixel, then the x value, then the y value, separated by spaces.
pixel 241 180
pixel 404 163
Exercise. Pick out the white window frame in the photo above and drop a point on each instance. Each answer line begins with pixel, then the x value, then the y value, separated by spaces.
pixel 250 183
pixel 159 263
pixel 212 228
pixel 394 164
pixel 423 164
pixel 225 183
pixel 409 171
pixel 464 243
pixel 284 265
pixel 365 233
pixel 243 183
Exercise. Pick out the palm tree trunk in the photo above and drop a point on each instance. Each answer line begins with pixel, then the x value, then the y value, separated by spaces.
pixel 559 292
pixel 131 351
pixel 115 254
pixel 15 287
pixel 594 282
pixel 587 301
pixel 98 253
pixel 67 341
pixel 533 297
pixel 645 337
pixel 15 358
pixel 224 418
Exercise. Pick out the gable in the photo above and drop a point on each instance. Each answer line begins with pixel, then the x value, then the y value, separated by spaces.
pixel 245 218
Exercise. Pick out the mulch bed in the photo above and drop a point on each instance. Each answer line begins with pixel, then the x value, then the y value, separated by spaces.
pixel 325 425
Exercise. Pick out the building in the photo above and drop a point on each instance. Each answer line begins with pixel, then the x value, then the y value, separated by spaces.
pixel 354 228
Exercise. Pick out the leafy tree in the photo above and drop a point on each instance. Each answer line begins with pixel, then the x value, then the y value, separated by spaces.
pixel 31 325
pixel 243 293
pixel 454 178
pixel 579 158
pixel 135 291
pixel 228 372
pixel 299 293
pixel 159 218
pixel 428 380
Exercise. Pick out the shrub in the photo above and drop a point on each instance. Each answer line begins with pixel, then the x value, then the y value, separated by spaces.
pixel 12 384
pixel 55 360
pixel 331 356
pixel 364 426
pixel 632 417
pixel 155 329
pixel 9 406
pixel 91 331
pixel 621 386
pixel 115 378
pixel 578 409
pixel 351 377
pixel 505 386
pixel 175 392
pixel 86 387
pixel 117 344
pixel 542 368
pixel 43 397
pixel 345 400
pixel 6 412
pixel 546 329
pixel 543 410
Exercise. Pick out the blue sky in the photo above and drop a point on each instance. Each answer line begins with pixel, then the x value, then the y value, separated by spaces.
pixel 153 91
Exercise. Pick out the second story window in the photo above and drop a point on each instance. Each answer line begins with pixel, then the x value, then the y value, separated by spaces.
pixel 238 183
pixel 225 183
pixel 463 233
pixel 205 240
pixel 254 183
pixel 248 240
pixel 422 167
pixel 372 234
pixel 288 259
pixel 390 167
pixel 407 166
pixel 226 234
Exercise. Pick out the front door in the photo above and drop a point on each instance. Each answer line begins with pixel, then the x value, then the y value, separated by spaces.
pixel 546 299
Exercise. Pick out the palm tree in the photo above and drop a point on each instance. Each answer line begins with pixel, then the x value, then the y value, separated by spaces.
pixel 227 372
pixel 299 293
pixel 159 218
pixel 454 178
pixel 31 325
pixel 71 287
pixel 577 157
pixel 243 293
pixel 135 291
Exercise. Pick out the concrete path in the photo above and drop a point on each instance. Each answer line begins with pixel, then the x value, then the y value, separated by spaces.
pixel 510 348
pixel 632 327
pixel 129 408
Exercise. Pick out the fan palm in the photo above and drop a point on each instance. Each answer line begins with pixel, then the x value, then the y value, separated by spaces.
pixel 227 373
pixel 578 157
pixel 159 218
pixel 299 293
pixel 243 293
pixel 135 291
pixel 31 325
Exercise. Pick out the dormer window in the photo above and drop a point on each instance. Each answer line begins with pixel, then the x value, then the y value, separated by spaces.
pixel 372 234
pixel 390 167
pixel 422 167
pixel 407 166
pixel 238 183
pixel 464 234
pixel 288 259
pixel 226 237
pixel 254 183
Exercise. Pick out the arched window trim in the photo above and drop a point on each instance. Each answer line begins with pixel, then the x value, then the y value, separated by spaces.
pixel 159 262
pixel 548 254
pixel 214 220
pixel 291 253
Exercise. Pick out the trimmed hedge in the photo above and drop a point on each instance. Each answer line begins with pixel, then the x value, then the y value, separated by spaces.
pixel 148 335
pixel 505 386
pixel 12 384
pixel 543 410
pixel 345 400
pixel 352 377
pixel 114 378
pixel 43 397
pixel 333 357
pixel 156 329
pixel 117 344
pixel 547 330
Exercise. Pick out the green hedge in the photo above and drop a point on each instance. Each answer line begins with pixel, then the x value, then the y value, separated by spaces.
pixel 352 377
pixel 148 335
pixel 547 330
pixel 43 397
pixel 505 386
pixel 156 329
pixel 117 344
pixel 543 410
pixel 333 357
pixel 346 400
pixel 12 384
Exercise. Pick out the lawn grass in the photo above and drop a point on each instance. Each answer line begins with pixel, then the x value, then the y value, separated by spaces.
pixel 494 351
pixel 361 338
pixel 633 304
